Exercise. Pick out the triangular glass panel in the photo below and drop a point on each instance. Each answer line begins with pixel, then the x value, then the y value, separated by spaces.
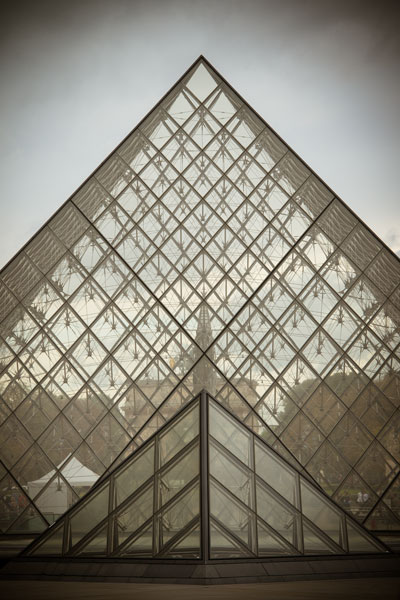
pixel 97 546
pixel 314 543
pixel 201 83
pixel 321 512
pixel 202 254
pixel 283 519
pixel 53 544
pixel 141 546
pixel 359 541
pixel 188 546
pixel 222 545
pixel 235 517
pixel 178 514
pixel 179 434
pixel 129 519
pixel 137 471
pixel 174 478
pixel 90 514
pixel 268 544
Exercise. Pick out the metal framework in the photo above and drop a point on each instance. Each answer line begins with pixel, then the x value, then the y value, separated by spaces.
pixel 203 253
pixel 204 487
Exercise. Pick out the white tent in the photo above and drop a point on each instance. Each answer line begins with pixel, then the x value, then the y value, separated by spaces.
pixel 57 497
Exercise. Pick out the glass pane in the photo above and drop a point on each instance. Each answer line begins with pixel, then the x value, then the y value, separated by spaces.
pixel 142 545
pixel 232 515
pixel 201 84
pixel 233 476
pixel 179 475
pixel 275 473
pixel 392 497
pixel 89 515
pixel 179 434
pixel 358 541
pixel 381 518
pixel 315 508
pixel 55 497
pixel 268 545
pixel 187 547
pixel 52 545
pixel 313 544
pixel 97 546
pixel 133 516
pixel 134 475
pixel 223 546
pixel 12 502
pixel 175 518
pixel 280 518
pixel 229 433
pixel 30 521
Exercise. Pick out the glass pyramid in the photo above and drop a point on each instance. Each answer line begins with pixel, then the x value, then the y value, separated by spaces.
pixel 203 253
pixel 204 487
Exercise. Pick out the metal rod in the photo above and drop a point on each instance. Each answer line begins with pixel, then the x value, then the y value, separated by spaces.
pixel 204 497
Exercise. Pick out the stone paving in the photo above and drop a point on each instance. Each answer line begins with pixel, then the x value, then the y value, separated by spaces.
pixel 354 589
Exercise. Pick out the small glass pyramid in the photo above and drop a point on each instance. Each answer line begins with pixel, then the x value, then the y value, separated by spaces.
pixel 202 254
pixel 189 494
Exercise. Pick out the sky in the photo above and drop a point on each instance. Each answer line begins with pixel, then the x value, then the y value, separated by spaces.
pixel 77 76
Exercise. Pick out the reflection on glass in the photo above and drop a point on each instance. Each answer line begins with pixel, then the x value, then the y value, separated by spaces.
pixel 358 541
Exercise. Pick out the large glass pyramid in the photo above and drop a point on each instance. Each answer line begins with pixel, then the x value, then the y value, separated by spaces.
pixel 204 487
pixel 203 253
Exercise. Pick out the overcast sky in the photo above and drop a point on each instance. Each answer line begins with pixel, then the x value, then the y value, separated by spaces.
pixel 77 76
